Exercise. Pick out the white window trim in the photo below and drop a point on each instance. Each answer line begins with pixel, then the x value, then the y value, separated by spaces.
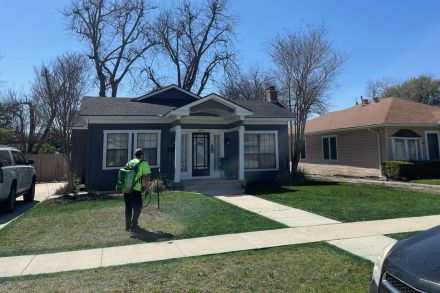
pixel 329 148
pixel 426 141
pixel 417 139
pixel 158 132
pixel 104 148
pixel 276 149
pixel 131 146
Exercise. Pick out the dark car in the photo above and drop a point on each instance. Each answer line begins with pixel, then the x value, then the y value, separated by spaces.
pixel 409 265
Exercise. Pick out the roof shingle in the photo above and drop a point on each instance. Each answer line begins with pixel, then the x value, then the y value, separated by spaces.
pixel 386 111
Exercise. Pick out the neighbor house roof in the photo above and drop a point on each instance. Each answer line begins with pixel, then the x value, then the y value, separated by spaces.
pixel 101 106
pixel 387 111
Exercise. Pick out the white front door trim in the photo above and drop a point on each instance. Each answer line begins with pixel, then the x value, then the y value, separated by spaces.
pixel 212 172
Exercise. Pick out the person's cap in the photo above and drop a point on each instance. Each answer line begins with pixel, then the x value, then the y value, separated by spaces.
pixel 139 152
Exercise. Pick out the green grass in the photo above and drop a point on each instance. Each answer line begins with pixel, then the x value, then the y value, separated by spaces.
pixel 300 268
pixel 88 222
pixel 427 181
pixel 352 202
pixel 400 236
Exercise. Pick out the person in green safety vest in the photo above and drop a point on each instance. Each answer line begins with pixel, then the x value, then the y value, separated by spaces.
pixel 133 200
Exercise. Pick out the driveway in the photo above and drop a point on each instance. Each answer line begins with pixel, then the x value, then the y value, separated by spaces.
pixel 43 191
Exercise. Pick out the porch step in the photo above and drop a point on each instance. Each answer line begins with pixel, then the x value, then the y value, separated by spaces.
pixel 214 186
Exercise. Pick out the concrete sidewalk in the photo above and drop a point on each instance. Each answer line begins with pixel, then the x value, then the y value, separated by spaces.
pixel 361 238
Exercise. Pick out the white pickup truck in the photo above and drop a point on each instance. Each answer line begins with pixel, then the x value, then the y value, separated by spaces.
pixel 17 177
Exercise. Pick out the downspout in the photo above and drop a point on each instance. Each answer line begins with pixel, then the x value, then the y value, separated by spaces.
pixel 379 148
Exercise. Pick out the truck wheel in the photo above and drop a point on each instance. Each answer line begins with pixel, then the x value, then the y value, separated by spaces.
pixel 30 194
pixel 9 205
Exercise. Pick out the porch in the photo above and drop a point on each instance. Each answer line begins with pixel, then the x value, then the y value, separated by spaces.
pixel 209 140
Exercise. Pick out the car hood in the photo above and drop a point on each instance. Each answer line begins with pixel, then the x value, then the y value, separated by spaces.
pixel 416 260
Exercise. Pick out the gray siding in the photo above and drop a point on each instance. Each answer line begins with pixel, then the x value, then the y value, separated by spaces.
pixel 79 152
pixel 99 179
pixel 283 154
pixel 172 97
pixel 88 152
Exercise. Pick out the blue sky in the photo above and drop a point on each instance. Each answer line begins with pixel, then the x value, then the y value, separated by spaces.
pixel 397 39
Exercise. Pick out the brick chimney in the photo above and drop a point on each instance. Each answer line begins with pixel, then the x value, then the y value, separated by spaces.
pixel 271 94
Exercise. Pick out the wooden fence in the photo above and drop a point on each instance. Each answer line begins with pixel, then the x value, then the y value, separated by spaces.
pixel 49 167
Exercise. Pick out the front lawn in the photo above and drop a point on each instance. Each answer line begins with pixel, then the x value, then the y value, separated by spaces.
pixel 427 181
pixel 72 223
pixel 315 267
pixel 352 202
pixel 400 236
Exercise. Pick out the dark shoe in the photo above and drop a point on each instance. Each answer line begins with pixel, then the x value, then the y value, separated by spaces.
pixel 134 228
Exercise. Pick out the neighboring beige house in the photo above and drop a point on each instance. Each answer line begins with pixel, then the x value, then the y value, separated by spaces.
pixel 354 141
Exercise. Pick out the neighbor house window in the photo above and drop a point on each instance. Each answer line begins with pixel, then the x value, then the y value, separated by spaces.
pixel 260 151
pixel 116 146
pixel 329 148
pixel 302 153
pixel 406 149
pixel 433 145
pixel 149 142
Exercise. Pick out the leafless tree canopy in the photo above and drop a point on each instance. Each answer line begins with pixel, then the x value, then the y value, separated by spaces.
pixel 18 116
pixel 197 40
pixel 248 85
pixel 376 87
pixel 116 33
pixel 308 67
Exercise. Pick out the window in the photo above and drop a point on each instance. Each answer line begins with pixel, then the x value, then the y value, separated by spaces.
pixel 5 158
pixel 18 158
pixel 329 148
pixel 432 145
pixel 149 143
pixel 302 153
pixel 116 149
pixel 260 151
pixel 217 151
pixel 119 145
pixel 406 149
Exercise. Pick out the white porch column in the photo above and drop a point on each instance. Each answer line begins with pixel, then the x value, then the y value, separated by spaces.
pixel 177 151
pixel 241 152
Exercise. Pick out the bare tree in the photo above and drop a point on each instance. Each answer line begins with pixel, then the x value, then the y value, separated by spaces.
pixel 308 67
pixel 248 85
pixel 72 78
pixel 117 35
pixel 197 40
pixel 18 113
pixel 46 90
pixel 376 87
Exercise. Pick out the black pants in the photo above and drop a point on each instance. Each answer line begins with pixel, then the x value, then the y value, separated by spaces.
pixel 133 207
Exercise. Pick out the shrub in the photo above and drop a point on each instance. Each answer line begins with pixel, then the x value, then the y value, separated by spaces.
pixel 47 149
pixel 402 170
pixel 155 185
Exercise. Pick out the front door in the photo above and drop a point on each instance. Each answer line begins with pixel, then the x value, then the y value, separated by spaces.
pixel 200 154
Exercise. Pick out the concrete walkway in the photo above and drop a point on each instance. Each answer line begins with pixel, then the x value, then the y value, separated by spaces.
pixel 394 184
pixel 283 214
pixel 361 238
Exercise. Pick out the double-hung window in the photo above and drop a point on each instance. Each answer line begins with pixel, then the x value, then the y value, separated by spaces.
pixel 406 149
pixel 260 151
pixel 329 148
pixel 119 146
pixel 149 142
pixel 116 149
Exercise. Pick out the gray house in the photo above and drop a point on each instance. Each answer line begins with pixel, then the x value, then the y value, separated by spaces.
pixel 185 136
